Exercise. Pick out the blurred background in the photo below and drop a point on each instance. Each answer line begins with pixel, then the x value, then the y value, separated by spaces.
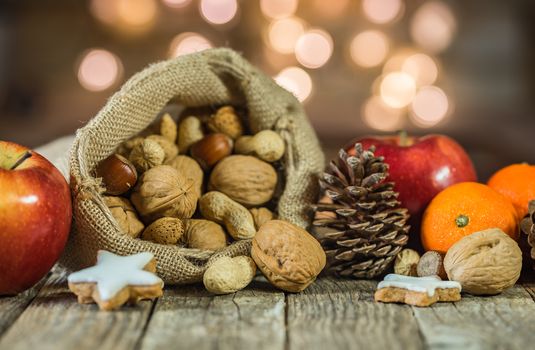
pixel 360 67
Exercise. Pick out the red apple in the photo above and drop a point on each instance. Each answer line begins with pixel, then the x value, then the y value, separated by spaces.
pixel 35 217
pixel 421 167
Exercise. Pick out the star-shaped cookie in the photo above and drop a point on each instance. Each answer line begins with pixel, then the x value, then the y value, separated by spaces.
pixel 116 279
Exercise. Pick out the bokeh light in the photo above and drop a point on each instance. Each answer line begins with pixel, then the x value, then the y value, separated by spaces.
pixel 278 9
pixel 331 8
pixel 314 48
pixel 422 68
pixel 295 80
pixel 103 10
pixel 284 33
pixel 397 89
pixel 369 48
pixel 130 16
pixel 177 3
pixel 395 62
pixel 379 116
pixel 99 69
pixel 429 106
pixel 188 42
pixel 218 11
pixel 433 26
pixel 383 11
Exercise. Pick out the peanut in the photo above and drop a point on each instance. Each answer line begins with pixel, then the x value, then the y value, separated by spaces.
pixel 218 207
pixel 228 275
pixel 266 145
pixel 189 132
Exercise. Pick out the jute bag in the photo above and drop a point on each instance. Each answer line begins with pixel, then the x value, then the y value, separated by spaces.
pixel 212 77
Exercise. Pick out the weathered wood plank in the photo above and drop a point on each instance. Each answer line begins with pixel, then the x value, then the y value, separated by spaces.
pixel 11 307
pixel 503 321
pixel 342 314
pixel 54 320
pixel 188 317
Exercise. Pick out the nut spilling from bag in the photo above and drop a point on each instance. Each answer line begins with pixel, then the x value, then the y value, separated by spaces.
pixel 204 182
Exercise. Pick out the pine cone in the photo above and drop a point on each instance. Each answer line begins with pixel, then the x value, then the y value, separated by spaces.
pixel 527 225
pixel 367 228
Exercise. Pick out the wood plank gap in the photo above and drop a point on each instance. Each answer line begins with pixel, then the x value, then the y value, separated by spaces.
pixel 146 326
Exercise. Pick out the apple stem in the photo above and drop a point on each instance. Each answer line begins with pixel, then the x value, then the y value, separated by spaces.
pixel 21 159
pixel 403 138
pixel 462 220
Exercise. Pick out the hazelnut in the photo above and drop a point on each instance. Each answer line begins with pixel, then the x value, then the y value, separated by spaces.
pixel 118 174
pixel 211 149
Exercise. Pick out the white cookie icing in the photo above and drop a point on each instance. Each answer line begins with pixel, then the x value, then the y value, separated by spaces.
pixel 417 284
pixel 114 272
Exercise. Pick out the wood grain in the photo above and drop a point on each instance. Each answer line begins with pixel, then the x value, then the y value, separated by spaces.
pixel 11 307
pixel 341 314
pixel 503 321
pixel 54 320
pixel 188 317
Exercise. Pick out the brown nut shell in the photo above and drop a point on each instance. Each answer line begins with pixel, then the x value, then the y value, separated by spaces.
pixel 245 179
pixel 118 174
pixel 211 149
pixel 164 231
pixel 204 234
pixel 287 255
pixel 261 216
pixel 188 167
pixel 169 148
pixel 125 214
pixel 485 262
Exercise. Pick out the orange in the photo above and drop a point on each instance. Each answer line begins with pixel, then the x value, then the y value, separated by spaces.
pixel 516 182
pixel 463 209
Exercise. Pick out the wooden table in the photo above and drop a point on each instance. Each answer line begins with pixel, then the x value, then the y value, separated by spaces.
pixel 330 314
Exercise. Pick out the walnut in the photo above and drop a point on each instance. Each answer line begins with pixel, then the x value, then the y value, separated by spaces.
pixel 245 179
pixel 164 231
pixel 204 234
pixel 188 167
pixel 126 147
pixel 146 155
pixel 485 262
pixel 287 255
pixel 226 121
pixel 125 214
pixel 406 262
pixel 163 191
pixel 261 216
pixel 169 148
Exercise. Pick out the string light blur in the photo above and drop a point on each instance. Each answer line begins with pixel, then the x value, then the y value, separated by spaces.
pixel 397 89
pixel 383 11
pixel 314 48
pixel 433 26
pixel 422 68
pixel 177 3
pixel 188 42
pixel 369 48
pixel 429 106
pixel 295 80
pixel 284 33
pixel 331 8
pixel 129 16
pixel 98 70
pixel 218 11
pixel 379 116
pixel 278 9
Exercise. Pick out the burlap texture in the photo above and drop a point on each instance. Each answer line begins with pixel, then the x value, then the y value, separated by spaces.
pixel 212 77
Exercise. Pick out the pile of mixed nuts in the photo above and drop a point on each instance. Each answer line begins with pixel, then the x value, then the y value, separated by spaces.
pixel 204 183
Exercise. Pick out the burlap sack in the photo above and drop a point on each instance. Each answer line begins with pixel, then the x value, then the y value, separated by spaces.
pixel 212 77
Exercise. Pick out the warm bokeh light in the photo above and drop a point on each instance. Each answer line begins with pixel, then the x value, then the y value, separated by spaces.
pixel 397 89
pixel 314 48
pixel 433 26
pixel 295 80
pixel 177 3
pixel 218 11
pixel 278 8
pixel 429 106
pixel 103 10
pixel 284 33
pixel 396 61
pixel 383 11
pixel 98 70
pixel 187 43
pixel 377 115
pixel 136 13
pixel 330 8
pixel 422 68
pixel 369 48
